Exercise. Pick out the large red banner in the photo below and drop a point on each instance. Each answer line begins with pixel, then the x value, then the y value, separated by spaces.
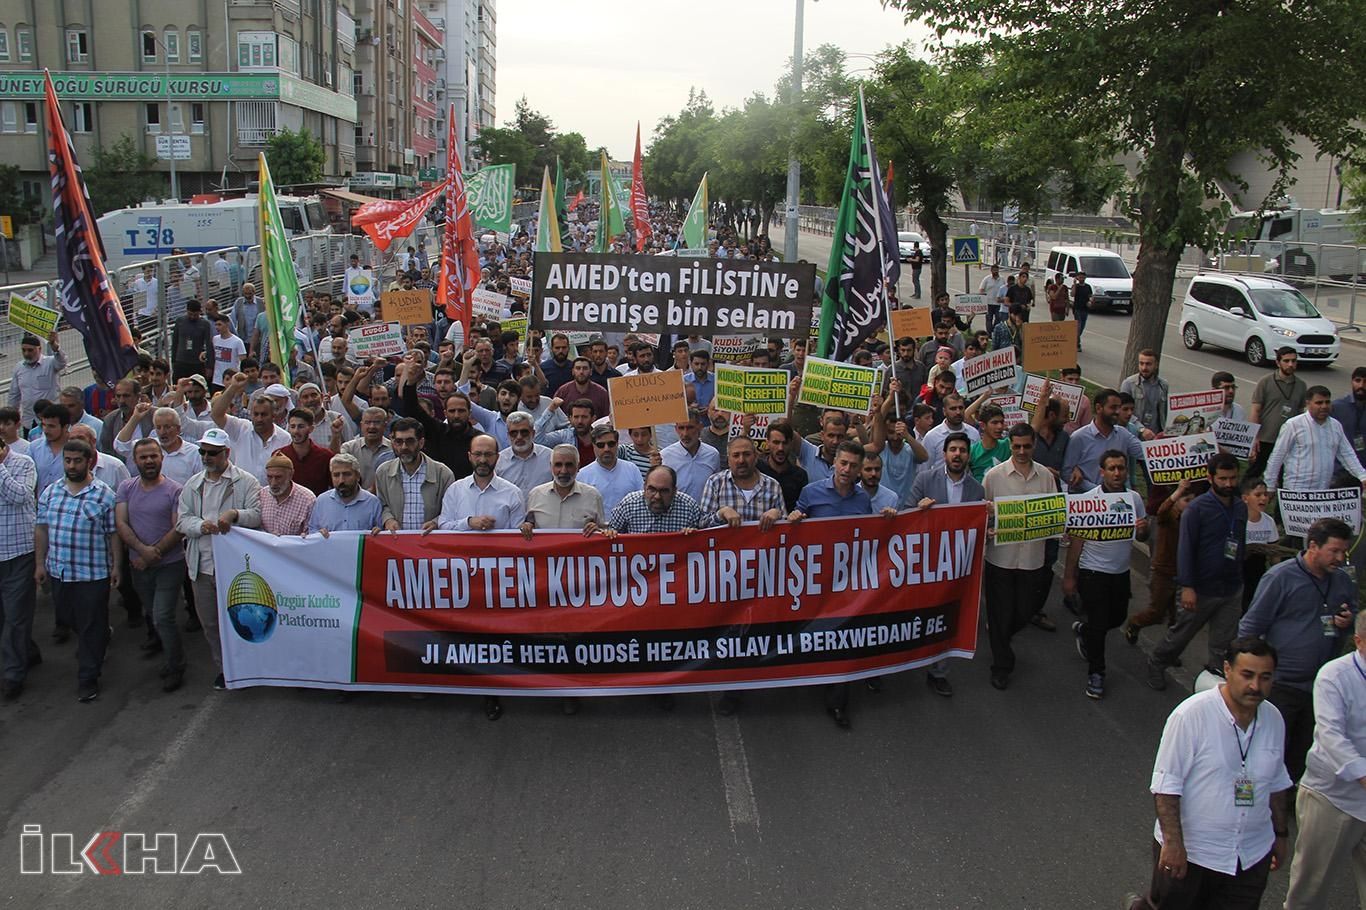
pixel 822 601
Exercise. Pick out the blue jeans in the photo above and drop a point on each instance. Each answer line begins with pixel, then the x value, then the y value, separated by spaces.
pixel 1082 313
pixel 84 606
pixel 17 600
pixel 158 588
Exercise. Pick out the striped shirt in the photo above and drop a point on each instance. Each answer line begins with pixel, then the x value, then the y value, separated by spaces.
pixel 78 527
pixel 1307 450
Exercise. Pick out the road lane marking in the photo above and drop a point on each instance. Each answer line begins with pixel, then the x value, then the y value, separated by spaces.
pixel 739 789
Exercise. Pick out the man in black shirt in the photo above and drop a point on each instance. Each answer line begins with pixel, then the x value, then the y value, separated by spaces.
pixel 447 441
pixel 1081 304
pixel 778 463
pixel 558 367
pixel 191 336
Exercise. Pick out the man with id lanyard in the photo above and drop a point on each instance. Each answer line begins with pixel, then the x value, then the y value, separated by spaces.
pixel 1219 785
pixel 1304 607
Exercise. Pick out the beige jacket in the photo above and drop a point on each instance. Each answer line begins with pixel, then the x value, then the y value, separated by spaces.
pixel 389 489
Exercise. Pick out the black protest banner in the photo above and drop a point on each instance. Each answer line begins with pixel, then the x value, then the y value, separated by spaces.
pixel 682 296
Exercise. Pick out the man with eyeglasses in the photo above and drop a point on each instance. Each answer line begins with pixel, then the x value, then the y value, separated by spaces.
pixel 608 474
pixel 523 463
pixel 1224 382
pixel 215 499
pixel 410 486
pixel 371 448
pixel 1277 397
pixel 483 501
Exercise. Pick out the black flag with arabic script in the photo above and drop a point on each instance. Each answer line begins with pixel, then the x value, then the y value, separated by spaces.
pixel 864 260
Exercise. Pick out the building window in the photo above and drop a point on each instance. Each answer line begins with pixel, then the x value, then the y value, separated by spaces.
pixel 24 36
pixel 9 117
pixel 197 118
pixel 288 54
pixel 360 135
pixel 255 122
pixel 171 39
pixel 4 44
pixel 194 38
pixel 177 119
pixel 153 114
pixel 149 47
pixel 30 116
pixel 77 46
pixel 83 117
pixel 256 50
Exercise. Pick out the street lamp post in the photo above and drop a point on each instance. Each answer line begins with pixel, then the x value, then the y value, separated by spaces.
pixel 794 167
pixel 175 182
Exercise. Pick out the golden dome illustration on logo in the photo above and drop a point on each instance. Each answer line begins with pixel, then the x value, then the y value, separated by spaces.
pixel 251 606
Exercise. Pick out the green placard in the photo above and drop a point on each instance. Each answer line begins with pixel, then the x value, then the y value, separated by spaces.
pixel 32 317
pixel 751 390
pixel 842 386
pixel 1024 518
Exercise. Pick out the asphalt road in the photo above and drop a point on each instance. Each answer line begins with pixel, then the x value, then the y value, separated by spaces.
pixel 1107 333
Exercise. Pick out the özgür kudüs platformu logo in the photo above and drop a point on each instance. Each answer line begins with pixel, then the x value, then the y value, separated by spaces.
pixel 124 853
pixel 251 606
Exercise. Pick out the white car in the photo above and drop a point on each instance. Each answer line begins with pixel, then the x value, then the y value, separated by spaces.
pixel 1257 316
pixel 906 241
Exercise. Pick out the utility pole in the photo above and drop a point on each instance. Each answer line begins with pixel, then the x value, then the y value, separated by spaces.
pixel 794 167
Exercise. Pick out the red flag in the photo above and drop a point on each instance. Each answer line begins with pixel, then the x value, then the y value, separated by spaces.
pixel 887 181
pixel 577 199
pixel 88 299
pixel 459 255
pixel 391 218
pixel 640 205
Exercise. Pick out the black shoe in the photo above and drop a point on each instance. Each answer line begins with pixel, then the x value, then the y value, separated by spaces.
pixel 87 692
pixel 61 634
pixel 493 707
pixel 727 704
pixel 12 690
pixel 873 684
pixel 570 706
pixel 219 683
pixel 841 717
pixel 939 685
pixel 173 680
pixel 665 702
pixel 1073 604
pixel 1000 681
pixel 1040 620
pixel 194 625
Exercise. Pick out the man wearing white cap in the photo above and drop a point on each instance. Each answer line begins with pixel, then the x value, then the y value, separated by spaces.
pixel 215 499
pixel 253 441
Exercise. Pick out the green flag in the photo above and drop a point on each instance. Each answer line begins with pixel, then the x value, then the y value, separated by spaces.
pixel 610 222
pixel 561 211
pixel 489 191
pixel 695 225
pixel 279 281
pixel 547 225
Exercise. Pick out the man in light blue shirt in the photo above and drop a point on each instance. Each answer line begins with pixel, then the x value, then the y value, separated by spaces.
pixel 609 475
pixel 345 507
pixel 701 379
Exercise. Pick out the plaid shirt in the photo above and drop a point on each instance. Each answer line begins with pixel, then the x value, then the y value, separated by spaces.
pixel 721 492
pixel 414 516
pixel 289 516
pixel 78 528
pixel 17 479
pixel 633 516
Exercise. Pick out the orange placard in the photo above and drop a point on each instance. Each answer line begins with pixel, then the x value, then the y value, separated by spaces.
pixel 1049 345
pixel 911 323
pixel 647 399
pixel 406 307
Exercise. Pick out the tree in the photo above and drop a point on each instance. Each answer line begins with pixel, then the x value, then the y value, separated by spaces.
pixel 13 202
pixel 531 142
pixel 122 175
pixel 1179 86
pixel 295 157
pixel 681 149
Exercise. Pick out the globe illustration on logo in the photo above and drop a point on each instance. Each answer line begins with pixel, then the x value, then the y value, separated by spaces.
pixel 360 285
pixel 251 606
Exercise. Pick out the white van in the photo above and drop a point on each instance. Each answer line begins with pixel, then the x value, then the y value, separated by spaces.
pixel 1112 287
pixel 1257 316
pixel 152 230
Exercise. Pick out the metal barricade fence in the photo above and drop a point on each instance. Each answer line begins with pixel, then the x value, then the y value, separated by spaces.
pixel 154 293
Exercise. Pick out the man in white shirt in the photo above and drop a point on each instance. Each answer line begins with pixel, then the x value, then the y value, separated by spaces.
pixel 1308 445
pixel 691 461
pixel 1220 785
pixel 253 441
pixel 483 501
pixel 1331 807
pixel 179 459
pixel 954 408
pixel 609 475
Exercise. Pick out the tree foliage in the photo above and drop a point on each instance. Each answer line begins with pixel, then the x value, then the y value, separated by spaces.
pixel 531 142
pixel 1180 87
pixel 295 157
pixel 122 175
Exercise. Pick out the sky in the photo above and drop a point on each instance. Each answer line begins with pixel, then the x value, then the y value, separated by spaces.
pixel 551 52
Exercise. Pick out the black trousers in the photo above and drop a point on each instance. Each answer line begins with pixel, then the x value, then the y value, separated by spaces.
pixel 1297 708
pixel 1205 889
pixel 1012 596
pixel 1105 598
